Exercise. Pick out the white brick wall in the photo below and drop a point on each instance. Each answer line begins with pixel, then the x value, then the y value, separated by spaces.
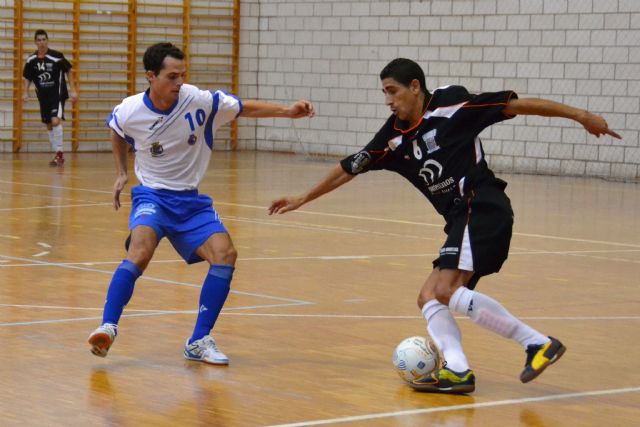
pixel 582 52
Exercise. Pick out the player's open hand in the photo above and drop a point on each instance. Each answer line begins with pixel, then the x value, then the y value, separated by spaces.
pixel 301 109
pixel 118 186
pixel 596 125
pixel 25 97
pixel 74 96
pixel 285 204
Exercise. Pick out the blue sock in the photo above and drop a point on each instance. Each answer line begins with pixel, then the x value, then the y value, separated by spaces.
pixel 212 297
pixel 120 291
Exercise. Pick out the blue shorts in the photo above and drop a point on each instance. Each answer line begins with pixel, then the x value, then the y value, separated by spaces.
pixel 186 218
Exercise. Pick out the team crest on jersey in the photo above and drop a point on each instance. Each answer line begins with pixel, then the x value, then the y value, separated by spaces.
pixel 429 139
pixel 192 139
pixel 156 149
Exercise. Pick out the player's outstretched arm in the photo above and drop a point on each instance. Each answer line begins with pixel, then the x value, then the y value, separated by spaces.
pixel 257 109
pixel 25 89
pixel 335 179
pixel 73 88
pixel 594 124
pixel 120 148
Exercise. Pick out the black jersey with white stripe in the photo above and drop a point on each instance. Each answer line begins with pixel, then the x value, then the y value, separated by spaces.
pixel 441 155
pixel 48 74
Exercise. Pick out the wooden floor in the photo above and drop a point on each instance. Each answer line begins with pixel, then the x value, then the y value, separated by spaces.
pixel 319 300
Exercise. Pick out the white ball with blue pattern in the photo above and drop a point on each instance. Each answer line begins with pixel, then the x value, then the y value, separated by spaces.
pixel 414 358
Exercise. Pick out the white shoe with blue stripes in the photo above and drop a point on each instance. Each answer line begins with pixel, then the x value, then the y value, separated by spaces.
pixel 205 350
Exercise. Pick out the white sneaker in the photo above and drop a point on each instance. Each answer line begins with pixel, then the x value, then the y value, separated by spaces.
pixel 102 338
pixel 205 350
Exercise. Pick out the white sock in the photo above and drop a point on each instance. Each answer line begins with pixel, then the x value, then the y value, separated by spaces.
pixel 56 141
pixel 52 138
pixel 489 313
pixel 445 334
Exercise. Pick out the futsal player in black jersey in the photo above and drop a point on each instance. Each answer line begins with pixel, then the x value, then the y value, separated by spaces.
pixel 431 139
pixel 47 69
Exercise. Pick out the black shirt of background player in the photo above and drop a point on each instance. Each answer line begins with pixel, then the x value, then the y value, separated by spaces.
pixel 48 74
pixel 441 155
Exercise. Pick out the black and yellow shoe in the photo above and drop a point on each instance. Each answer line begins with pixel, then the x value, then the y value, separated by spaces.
pixel 539 357
pixel 444 380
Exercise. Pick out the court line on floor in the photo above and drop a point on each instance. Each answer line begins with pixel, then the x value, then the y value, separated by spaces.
pixel 382 233
pixel 155 279
pixel 83 205
pixel 328 214
pixel 143 313
pixel 554 397
pixel 584 253
pixel 74 319
pixel 439 225
pixel 327 228
pixel 44 196
pixel 229 312
pixel 60 187
pixel 63 307
pixel 400 317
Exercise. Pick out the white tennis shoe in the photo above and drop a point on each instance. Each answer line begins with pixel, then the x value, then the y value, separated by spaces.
pixel 205 350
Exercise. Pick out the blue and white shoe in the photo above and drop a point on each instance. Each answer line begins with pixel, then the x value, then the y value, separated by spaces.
pixel 205 350
pixel 102 338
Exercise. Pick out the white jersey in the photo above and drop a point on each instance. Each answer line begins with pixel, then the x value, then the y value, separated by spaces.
pixel 173 147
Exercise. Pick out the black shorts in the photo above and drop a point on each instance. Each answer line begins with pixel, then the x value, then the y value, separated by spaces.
pixel 51 107
pixel 478 233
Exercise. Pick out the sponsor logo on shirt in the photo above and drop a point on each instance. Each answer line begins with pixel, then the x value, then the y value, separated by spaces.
pixel 44 77
pixel 157 122
pixel 442 187
pixel 156 149
pixel 431 171
pixel 192 139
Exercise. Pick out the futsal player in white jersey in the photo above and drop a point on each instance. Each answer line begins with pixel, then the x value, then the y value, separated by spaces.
pixel 171 127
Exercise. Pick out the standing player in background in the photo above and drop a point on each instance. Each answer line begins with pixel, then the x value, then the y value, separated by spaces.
pixel 431 139
pixel 171 127
pixel 47 69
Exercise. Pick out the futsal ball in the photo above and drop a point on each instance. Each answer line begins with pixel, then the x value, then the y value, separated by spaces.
pixel 415 358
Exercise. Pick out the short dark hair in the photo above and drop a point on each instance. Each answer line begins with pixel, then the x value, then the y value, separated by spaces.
pixel 40 32
pixel 154 56
pixel 404 71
